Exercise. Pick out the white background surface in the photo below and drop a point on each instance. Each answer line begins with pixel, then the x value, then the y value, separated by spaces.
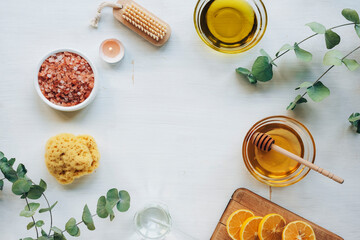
pixel 170 122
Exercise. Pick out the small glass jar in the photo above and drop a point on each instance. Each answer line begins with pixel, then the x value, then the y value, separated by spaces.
pixel 303 138
pixel 260 25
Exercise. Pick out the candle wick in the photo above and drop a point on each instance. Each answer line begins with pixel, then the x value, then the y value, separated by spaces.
pixel 110 48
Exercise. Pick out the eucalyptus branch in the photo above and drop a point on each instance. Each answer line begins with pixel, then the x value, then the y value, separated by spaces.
pixel 27 189
pixel 33 219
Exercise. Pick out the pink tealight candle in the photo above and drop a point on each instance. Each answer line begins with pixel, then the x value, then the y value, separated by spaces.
pixel 112 50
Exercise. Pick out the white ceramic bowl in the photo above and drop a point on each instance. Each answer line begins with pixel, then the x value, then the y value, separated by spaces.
pixel 79 106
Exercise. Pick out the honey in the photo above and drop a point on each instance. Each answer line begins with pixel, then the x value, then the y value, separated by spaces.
pixel 273 164
pixel 228 23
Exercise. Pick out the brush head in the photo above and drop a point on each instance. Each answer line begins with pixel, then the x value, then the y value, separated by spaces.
pixel 262 141
pixel 144 23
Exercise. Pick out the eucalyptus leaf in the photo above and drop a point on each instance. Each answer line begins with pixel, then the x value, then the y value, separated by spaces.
pixel 304 85
pixel 39 223
pixel 243 71
pixel 28 238
pixel 264 53
pixel 246 73
pixel 2 155
pixel 71 228
pixel 302 54
pixel 1 184
pixel 11 161
pixel 30 225
pixel 21 171
pixel 357 29
pixel 298 100
pixel 101 210
pixel 351 15
pixel 44 233
pixel 285 47
pixel 35 192
pixel 354 119
pixel 331 39
pixel 333 57
pixel 29 210
pixel 112 196
pixel 43 238
pixel 56 230
pixel 58 236
pixel 48 209
pixel 351 64
pixel 124 204
pixel 262 69
pixel 87 218
pixel 318 92
pixel 9 173
pixel 20 187
pixel 317 27
pixel 43 184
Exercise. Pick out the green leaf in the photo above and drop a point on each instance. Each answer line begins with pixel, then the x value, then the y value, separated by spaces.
pixel 39 223
pixel 317 27
pixel 56 230
pixel 246 72
pixel 302 54
pixel 21 171
pixel 1 155
pixel 35 192
pixel 351 15
pixel 354 119
pixel 30 225
pixel 298 100
pixel 11 161
pixel 357 29
pixel 48 209
pixel 262 69
pixel 243 71
pixel 318 92
pixel 28 238
pixel 285 47
pixel 43 238
pixel 87 218
pixel 58 236
pixel 8 171
pixel 304 85
pixel 29 210
pixel 1 185
pixel 351 64
pixel 124 204
pixel 20 187
pixel 331 39
pixel 72 228
pixel 44 233
pixel 101 210
pixel 43 184
pixel 112 196
pixel 264 53
pixel 333 57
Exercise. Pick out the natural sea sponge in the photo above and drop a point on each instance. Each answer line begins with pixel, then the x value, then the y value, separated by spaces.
pixel 68 156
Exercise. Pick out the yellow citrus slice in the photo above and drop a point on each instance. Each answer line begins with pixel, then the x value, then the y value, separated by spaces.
pixel 271 227
pixel 235 221
pixel 298 230
pixel 249 229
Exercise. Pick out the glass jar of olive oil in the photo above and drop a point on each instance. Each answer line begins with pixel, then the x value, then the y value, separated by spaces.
pixel 274 168
pixel 230 26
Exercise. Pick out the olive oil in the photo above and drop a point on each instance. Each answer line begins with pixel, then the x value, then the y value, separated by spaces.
pixel 273 164
pixel 228 23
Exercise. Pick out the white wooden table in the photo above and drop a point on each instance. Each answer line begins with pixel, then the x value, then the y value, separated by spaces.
pixel 170 122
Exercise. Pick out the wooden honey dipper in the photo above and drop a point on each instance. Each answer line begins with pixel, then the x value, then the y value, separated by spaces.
pixel 266 143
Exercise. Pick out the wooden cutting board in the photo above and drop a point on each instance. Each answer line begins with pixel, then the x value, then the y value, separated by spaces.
pixel 245 199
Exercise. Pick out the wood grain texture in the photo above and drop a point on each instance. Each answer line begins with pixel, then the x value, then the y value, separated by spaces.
pixel 245 199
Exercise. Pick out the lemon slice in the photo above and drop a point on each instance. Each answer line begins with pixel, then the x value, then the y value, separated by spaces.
pixel 235 221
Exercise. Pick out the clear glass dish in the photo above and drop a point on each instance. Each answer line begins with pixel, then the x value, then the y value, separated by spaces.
pixel 261 24
pixel 305 138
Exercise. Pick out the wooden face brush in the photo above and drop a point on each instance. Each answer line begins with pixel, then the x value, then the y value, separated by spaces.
pixel 266 143
pixel 139 20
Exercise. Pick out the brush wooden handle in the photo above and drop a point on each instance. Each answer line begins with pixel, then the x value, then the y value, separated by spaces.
pixel 266 143
pixel 307 163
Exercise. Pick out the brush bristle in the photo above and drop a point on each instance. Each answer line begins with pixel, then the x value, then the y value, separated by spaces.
pixel 141 20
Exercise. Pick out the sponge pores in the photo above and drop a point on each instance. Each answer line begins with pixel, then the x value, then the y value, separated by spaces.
pixel 68 156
